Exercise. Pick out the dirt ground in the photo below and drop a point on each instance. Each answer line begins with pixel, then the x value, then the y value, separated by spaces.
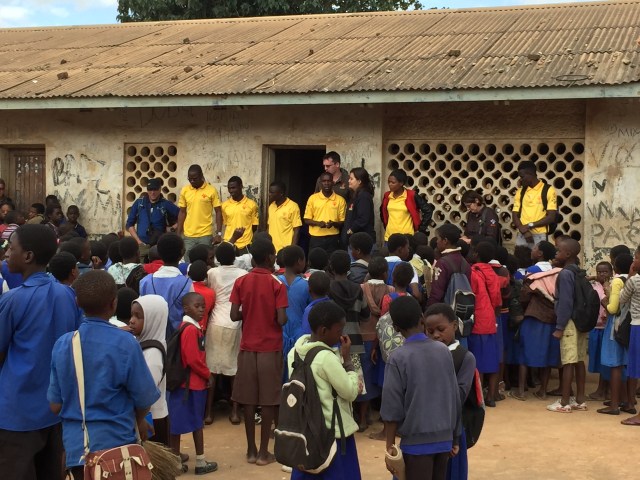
pixel 520 440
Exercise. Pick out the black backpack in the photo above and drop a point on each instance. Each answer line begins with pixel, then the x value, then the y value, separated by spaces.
pixel 302 439
pixel 586 302
pixel 622 334
pixel 176 373
pixel 552 227
pixel 461 298
pixel 473 405
pixel 156 344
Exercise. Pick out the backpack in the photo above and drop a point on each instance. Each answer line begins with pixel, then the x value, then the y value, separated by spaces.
pixel 545 201
pixel 176 373
pixel 389 339
pixel 302 439
pixel 462 299
pixel 156 344
pixel 473 406
pixel 586 302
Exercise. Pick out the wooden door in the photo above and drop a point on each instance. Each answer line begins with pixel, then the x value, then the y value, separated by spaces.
pixel 29 179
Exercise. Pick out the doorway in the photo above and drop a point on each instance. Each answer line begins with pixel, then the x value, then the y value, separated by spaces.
pixel 24 171
pixel 298 167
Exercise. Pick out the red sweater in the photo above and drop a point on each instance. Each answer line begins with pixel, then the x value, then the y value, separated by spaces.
pixel 209 302
pixel 412 207
pixel 193 356
pixel 486 286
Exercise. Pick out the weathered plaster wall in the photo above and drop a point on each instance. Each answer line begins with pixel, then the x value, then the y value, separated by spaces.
pixel 612 177
pixel 85 149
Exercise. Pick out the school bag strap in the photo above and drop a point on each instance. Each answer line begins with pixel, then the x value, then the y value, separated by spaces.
pixel 145 344
pixel 153 286
pixel 79 367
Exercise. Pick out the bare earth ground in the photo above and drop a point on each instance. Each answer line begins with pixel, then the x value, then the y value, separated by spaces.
pixel 520 440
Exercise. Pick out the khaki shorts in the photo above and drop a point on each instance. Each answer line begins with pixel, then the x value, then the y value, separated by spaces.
pixel 259 378
pixel 573 345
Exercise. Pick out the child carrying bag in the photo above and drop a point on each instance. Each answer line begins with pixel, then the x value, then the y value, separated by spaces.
pixel 128 462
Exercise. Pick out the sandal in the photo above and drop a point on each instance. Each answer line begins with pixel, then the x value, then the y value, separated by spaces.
pixel 539 396
pixel 631 410
pixel 609 411
pixel 516 395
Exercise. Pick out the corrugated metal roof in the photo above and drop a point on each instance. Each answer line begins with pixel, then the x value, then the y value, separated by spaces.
pixel 530 46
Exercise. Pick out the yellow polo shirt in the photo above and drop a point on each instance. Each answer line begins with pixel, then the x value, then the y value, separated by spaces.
pixel 531 209
pixel 400 220
pixel 324 209
pixel 199 203
pixel 282 220
pixel 239 214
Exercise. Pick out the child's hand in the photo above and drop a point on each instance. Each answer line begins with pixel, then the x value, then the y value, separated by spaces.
pixel 558 334
pixel 210 381
pixel 96 263
pixel 144 428
pixel 454 451
pixel 345 346
pixel 374 356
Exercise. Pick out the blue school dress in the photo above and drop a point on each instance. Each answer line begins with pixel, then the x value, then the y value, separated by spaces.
pixel 612 354
pixel 458 467
pixel 485 348
pixel 633 365
pixel 298 295
pixel 538 347
pixel 596 338
pixel 343 467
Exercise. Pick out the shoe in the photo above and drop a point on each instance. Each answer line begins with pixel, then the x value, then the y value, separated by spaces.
pixel 577 406
pixel 490 403
pixel 609 411
pixel 558 407
pixel 258 418
pixel 207 468
pixel 286 469
pixel 631 410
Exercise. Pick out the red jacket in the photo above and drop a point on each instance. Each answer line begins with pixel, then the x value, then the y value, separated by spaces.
pixel 412 207
pixel 486 286
pixel 193 356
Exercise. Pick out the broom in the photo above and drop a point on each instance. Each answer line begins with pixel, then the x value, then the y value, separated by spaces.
pixel 166 464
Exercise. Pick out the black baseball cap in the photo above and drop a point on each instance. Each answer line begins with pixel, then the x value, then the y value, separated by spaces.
pixel 154 184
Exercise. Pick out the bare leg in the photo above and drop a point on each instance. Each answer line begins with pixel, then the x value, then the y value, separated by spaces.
pixel 208 413
pixel 174 442
pixel 250 432
pixel 581 380
pixel 567 379
pixel 632 384
pixel 616 386
pixel 364 410
pixel 381 435
pixel 268 416
pixel 522 379
pixel 234 418
pixel 493 386
pixel 198 440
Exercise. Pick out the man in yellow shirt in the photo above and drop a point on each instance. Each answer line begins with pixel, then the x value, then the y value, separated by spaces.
pixel 197 202
pixel 534 207
pixel 325 214
pixel 239 216
pixel 284 217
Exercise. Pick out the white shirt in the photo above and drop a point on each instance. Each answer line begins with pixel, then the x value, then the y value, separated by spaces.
pixel 221 280
pixel 395 258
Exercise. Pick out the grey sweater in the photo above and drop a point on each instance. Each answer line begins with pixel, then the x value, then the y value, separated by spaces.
pixel 631 294
pixel 421 393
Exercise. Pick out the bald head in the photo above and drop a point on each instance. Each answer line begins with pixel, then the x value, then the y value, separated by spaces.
pixel 572 246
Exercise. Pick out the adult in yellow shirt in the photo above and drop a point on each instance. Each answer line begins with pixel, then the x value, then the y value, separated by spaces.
pixel 239 216
pixel 197 202
pixel 325 214
pixel 284 217
pixel 532 214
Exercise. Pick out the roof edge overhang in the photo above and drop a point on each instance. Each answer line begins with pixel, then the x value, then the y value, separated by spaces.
pixel 628 90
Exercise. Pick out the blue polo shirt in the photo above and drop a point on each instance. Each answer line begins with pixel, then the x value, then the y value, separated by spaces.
pixel 32 317
pixel 159 214
pixel 117 381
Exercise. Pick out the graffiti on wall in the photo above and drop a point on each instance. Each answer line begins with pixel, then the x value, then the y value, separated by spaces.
pixel 84 182
pixel 611 210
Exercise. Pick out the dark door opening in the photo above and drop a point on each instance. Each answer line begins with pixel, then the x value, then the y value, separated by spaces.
pixel 298 168
pixel 28 172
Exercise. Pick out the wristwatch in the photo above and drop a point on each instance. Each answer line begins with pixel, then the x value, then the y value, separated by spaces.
pixel 530 225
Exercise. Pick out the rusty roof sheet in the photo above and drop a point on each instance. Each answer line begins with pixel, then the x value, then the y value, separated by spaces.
pixel 530 46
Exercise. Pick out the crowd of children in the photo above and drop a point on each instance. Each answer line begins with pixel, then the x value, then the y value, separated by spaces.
pixel 244 326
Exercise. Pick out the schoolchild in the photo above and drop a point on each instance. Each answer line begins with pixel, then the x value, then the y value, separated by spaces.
pixel 122 317
pixel 399 251
pixel 297 293
pixel 614 355
pixel 85 262
pixel 361 245
pixel 12 220
pixel 604 272
pixel 168 281
pixel 402 276
pixel 631 295
pixel 73 214
pixel 483 342
pixel 30 436
pixel 130 253
pixel 263 299
pixel 114 369
pixel 374 291
pixel 451 261
pixel 410 390
pixel 319 284
pixel 441 325
pixel 428 257
pixel 327 322
pixel 223 335
pixel 99 254
pixel 318 261
pixel 148 323
pixel 64 268
pixel 198 275
pixel 573 344
pixel 155 262
pixel 187 403
pixel 349 296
